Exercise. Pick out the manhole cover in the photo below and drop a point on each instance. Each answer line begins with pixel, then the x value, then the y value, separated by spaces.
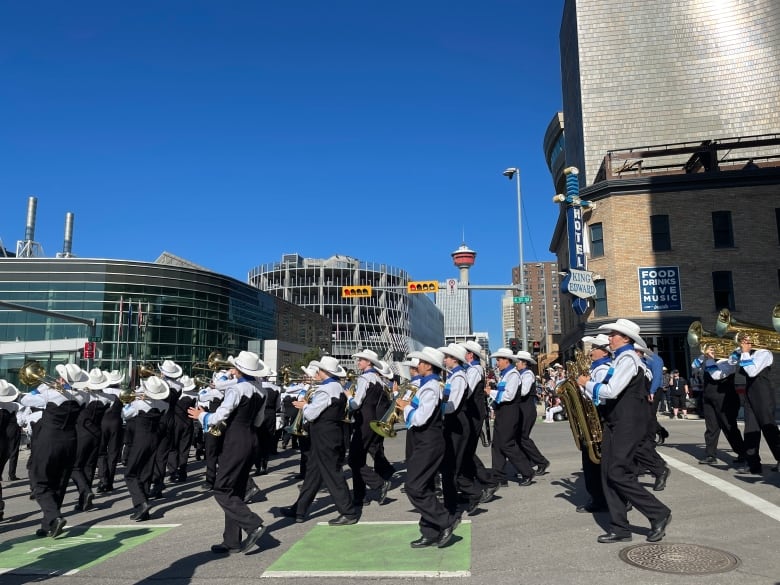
pixel 683 559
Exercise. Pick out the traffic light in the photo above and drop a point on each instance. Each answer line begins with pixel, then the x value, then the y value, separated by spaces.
pixel 537 347
pixel 422 286
pixel 355 292
pixel 89 350
pixel 514 344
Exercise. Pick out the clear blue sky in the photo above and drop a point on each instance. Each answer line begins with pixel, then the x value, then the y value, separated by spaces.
pixel 230 133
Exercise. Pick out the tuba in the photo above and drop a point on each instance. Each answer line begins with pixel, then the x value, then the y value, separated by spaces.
pixel 762 337
pixel 583 417
pixel 385 426
pixel 699 337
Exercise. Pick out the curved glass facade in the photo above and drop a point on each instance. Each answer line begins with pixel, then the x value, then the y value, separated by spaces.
pixel 145 310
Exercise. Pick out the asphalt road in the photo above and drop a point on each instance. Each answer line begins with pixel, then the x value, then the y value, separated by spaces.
pixel 527 535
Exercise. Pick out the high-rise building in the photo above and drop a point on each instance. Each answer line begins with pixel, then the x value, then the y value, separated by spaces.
pixel 639 73
pixel 390 322
pixel 507 318
pixel 543 313
pixel 454 301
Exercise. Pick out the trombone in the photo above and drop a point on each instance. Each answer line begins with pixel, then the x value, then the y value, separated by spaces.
pixel 33 374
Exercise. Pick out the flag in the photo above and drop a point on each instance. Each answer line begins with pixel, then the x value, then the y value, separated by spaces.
pixel 129 316
pixel 140 316
pixel 121 316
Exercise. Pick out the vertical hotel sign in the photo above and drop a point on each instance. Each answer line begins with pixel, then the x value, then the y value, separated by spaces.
pixel 659 288
pixel 578 281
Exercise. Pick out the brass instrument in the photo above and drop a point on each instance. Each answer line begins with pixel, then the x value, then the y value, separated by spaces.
pixel 776 317
pixel 699 337
pixel 213 363
pixel 296 428
pixel 349 382
pixel 33 374
pixel 127 395
pixel 762 337
pixel 385 426
pixel 286 375
pixel 146 371
pixel 583 417
pixel 217 429
pixel 201 381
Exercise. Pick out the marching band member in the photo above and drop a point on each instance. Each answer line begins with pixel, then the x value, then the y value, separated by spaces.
pixel 457 432
pixel 527 400
pixel 54 448
pixel 600 363
pixel 183 430
pixel 755 364
pixel 368 402
pixel 647 456
pixel 477 411
pixel 506 397
pixel 146 412
pixel 425 451
pixel 624 393
pixel 111 434
pixel 720 405
pixel 8 411
pixel 209 399
pixel 325 414
pixel 88 431
pixel 234 417
pixel 170 372
pixel 266 432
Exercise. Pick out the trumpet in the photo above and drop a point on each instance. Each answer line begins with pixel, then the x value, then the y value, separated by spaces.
pixel 33 374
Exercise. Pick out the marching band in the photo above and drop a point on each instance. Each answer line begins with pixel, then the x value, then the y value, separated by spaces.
pixel 81 422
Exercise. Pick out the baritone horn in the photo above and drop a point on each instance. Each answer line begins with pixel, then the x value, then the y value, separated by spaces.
pixel 583 417
pixel 762 337
pixel 699 337
pixel 385 426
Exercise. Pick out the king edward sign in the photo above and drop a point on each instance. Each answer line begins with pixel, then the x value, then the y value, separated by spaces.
pixel 579 283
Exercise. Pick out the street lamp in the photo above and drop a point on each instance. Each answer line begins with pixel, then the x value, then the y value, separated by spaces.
pixel 510 173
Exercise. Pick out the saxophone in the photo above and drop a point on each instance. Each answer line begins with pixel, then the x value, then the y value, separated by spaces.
pixel 583 417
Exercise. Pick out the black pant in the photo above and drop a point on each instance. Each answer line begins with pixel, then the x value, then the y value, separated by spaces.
pixel 505 445
pixel 760 419
pixel 720 407
pixel 112 435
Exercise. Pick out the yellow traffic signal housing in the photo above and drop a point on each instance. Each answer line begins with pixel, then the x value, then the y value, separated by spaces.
pixel 355 292
pixel 422 286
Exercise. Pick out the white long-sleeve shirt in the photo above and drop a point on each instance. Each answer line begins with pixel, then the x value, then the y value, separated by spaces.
pixel 625 366
pixel 424 403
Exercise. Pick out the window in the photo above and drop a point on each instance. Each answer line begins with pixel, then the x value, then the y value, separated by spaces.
pixel 659 230
pixel 596 240
pixel 722 233
pixel 723 289
pixel 601 309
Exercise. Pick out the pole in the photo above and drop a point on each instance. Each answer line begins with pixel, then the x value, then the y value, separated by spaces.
pixel 523 325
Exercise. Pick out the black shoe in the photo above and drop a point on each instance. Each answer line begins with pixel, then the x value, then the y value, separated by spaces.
pixel 661 439
pixel 252 538
pixel 223 549
pixel 55 529
pixel 206 487
pixel 343 520
pixel 156 491
pixel 629 506
pixel 658 528
pixel 660 481
pixel 383 491
pixel 101 488
pixel 253 491
pixel 291 512
pixel 708 460
pixel 503 483
pixel 751 470
pixel 592 508
pixel 174 477
pixel 526 480
pixel 488 493
pixel 471 507
pixel 612 537
pixel 13 478
pixel 422 542
pixel 738 461
pixel 40 533
pixel 142 512
pixel 542 469
pixel 446 535
pixel 679 416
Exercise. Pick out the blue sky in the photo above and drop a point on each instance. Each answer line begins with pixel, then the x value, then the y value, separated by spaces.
pixel 230 133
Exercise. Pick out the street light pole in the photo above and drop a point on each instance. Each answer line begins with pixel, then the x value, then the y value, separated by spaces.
pixel 510 173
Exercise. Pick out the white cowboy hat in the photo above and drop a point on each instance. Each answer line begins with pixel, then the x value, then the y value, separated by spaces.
pixel 369 355
pixel 643 348
pixel 187 383
pixel 504 352
pixel 526 357
pixel 411 363
pixel 599 340
pixel 115 377
pixel 557 366
pixel 429 355
pixel 98 379
pixel 386 371
pixel 330 365
pixel 249 363
pixel 627 328
pixel 473 347
pixel 8 392
pixel 72 374
pixel 156 388
pixel 456 351
pixel 310 370
pixel 170 369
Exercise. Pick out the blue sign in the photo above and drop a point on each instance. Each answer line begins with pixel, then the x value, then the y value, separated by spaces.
pixel 659 288
pixel 576 244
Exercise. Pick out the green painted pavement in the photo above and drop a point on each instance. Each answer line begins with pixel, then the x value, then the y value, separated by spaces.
pixel 76 549
pixel 373 549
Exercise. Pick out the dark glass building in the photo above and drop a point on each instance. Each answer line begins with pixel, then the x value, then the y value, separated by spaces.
pixel 144 312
